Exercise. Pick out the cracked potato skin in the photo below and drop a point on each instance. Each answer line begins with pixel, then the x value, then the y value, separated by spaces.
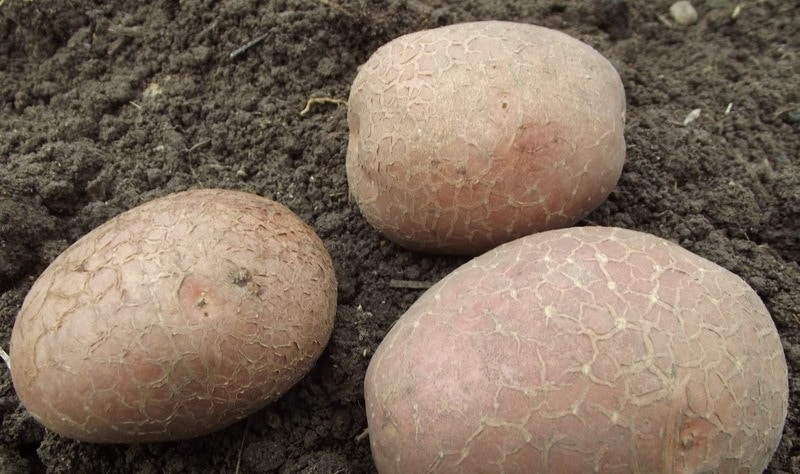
pixel 470 135
pixel 580 350
pixel 174 319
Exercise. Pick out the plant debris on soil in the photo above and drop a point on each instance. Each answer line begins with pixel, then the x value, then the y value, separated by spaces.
pixel 107 105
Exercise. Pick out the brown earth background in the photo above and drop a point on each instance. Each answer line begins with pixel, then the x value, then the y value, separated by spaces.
pixel 106 105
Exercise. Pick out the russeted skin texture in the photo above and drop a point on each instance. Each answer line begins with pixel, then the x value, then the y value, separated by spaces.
pixel 470 135
pixel 580 350
pixel 174 319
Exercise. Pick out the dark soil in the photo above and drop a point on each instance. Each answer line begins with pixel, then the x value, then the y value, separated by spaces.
pixel 106 105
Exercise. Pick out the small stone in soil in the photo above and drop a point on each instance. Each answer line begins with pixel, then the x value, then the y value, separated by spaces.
pixel 683 13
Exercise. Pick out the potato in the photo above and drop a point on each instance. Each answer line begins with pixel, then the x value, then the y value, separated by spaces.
pixel 467 136
pixel 174 319
pixel 580 350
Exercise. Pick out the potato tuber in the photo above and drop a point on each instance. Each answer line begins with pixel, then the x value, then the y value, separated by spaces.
pixel 174 319
pixel 580 350
pixel 470 135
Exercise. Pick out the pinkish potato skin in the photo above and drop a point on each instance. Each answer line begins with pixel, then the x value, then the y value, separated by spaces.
pixel 471 135
pixel 174 319
pixel 580 350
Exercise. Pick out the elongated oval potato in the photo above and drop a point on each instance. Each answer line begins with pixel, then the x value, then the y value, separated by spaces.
pixel 580 350
pixel 470 135
pixel 174 319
